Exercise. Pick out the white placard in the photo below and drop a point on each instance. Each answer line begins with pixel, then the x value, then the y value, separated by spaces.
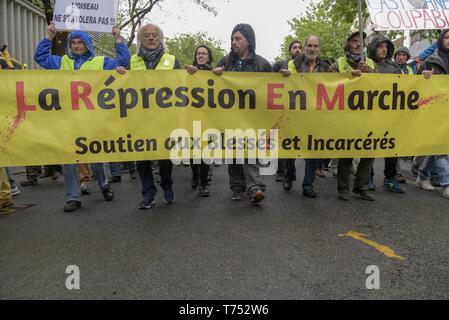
pixel 86 15
pixel 409 14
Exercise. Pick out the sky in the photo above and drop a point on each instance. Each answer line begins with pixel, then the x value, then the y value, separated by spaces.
pixel 267 17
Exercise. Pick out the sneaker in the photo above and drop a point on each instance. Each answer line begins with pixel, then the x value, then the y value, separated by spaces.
pixel 72 205
pixel 204 193
pixel 344 196
pixel 446 193
pixel 108 194
pixel 424 184
pixel 364 195
pixel 237 195
pixel 310 193
pixel 116 179
pixel 133 175
pixel 393 186
pixel 15 191
pixel 28 183
pixel 257 197
pixel 401 178
pixel 287 183
pixel 147 204
pixel 85 190
pixel 435 181
pixel 169 196
pixel 371 185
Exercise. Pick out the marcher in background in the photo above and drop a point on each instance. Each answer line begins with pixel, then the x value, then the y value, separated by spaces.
pixel 81 56
pixel 202 60
pixel 5 191
pixel 243 58
pixel 295 50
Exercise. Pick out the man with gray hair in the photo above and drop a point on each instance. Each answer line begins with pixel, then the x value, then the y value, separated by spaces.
pixel 308 62
pixel 152 54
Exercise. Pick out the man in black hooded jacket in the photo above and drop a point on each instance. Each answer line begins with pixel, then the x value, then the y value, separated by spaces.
pixel 381 51
pixel 243 58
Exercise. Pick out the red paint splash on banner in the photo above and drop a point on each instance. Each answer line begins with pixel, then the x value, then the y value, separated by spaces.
pixel 424 102
pixel 12 128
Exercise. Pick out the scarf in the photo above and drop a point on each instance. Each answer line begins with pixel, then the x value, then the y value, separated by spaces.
pixel 151 57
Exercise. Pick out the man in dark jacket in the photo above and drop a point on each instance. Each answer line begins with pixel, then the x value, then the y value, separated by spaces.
pixel 381 50
pixel 243 58
pixel 309 62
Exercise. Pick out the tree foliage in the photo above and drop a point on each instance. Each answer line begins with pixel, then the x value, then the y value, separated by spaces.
pixel 319 20
pixel 183 46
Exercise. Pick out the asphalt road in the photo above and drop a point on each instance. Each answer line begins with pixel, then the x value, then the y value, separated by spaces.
pixel 214 248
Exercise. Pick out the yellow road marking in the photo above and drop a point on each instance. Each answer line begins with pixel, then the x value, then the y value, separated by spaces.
pixel 379 247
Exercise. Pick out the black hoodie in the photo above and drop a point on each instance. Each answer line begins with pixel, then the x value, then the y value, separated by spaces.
pixel 254 63
pixel 439 61
pixel 387 66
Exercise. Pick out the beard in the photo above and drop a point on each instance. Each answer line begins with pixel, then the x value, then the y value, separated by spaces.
pixel 311 56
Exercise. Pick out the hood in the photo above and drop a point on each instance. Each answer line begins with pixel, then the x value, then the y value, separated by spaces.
pixel 351 34
pixel 376 42
pixel 440 40
pixel 85 38
pixel 249 34
pixel 403 50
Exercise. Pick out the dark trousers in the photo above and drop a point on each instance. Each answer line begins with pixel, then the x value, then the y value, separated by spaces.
pixel 390 167
pixel 290 168
pixel 282 164
pixel 200 172
pixel 145 171
pixel 361 178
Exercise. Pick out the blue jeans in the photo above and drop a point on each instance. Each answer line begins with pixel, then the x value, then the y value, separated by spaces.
pixel 440 164
pixel 145 171
pixel 12 181
pixel 309 173
pixel 72 180
pixel 116 169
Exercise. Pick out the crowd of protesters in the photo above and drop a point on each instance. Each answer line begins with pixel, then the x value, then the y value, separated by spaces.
pixel 152 54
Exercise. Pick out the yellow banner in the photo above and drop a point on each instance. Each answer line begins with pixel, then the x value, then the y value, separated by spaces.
pixel 51 117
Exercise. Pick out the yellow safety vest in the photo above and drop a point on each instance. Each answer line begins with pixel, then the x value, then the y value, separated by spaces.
pixel 167 62
pixel 410 70
pixel 94 64
pixel 292 67
pixel 344 66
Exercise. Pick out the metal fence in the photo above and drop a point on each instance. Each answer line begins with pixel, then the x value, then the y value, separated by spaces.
pixel 22 26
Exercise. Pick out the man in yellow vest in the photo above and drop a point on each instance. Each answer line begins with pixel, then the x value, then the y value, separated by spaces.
pixel 401 57
pixel 353 64
pixel 81 56
pixel 308 62
pixel 152 54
